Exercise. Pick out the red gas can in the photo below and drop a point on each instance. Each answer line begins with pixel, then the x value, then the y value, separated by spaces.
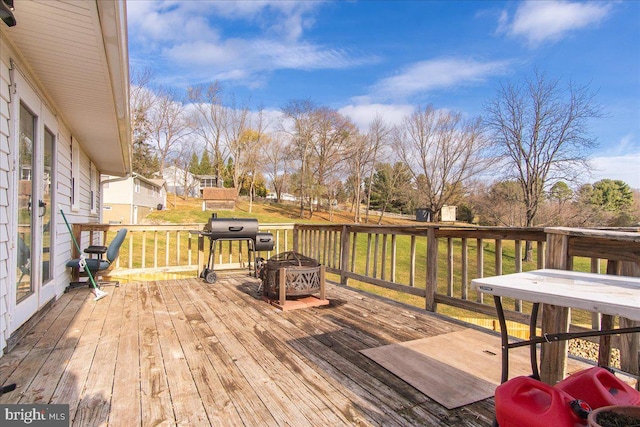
pixel 599 387
pixel 525 402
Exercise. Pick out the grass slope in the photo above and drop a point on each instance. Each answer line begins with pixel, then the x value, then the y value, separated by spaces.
pixel 181 211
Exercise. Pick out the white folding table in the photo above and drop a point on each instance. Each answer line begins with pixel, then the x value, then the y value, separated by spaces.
pixel 606 294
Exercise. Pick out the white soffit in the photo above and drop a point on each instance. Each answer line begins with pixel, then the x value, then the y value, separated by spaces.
pixel 78 52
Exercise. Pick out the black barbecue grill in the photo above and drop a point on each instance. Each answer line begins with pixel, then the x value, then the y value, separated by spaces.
pixel 232 229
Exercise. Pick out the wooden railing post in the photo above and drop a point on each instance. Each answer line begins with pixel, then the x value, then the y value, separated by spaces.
pixel 432 270
pixel 200 252
pixel 606 322
pixel 450 267
pixel 465 269
pixel 630 343
pixel 480 265
pixel 553 357
pixel 296 244
pixel 344 258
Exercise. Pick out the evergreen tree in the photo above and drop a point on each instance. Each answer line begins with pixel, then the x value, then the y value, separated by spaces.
pixel 612 195
pixel 145 161
pixel 194 165
pixel 205 167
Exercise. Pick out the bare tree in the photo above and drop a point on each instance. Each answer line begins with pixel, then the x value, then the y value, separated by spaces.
pixel 540 133
pixel 168 124
pixel 334 134
pixel 236 139
pixel 210 122
pixel 377 138
pixel 499 204
pixel 442 151
pixel 359 159
pixel 300 125
pixel 141 97
pixel 252 157
pixel 277 156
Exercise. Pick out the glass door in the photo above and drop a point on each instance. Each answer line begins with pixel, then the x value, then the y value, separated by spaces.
pixel 26 137
pixel 34 176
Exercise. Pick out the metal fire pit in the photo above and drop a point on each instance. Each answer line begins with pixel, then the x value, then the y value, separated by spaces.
pixel 303 275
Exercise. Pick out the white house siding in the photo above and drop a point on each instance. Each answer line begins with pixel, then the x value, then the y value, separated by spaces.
pixel 63 243
pixel 120 197
pixel 147 197
pixel 4 198
pixel 61 246
pixel 118 192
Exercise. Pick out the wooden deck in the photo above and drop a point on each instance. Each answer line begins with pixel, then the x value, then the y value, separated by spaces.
pixel 184 352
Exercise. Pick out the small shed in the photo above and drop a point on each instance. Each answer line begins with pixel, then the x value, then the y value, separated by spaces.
pixel 448 213
pixel 219 198
pixel 424 215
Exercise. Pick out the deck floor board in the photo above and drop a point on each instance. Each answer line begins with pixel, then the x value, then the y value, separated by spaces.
pixel 184 352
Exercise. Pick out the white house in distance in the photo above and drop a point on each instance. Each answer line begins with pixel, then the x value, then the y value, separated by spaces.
pixel 181 182
pixel 64 121
pixel 284 197
pixel 127 200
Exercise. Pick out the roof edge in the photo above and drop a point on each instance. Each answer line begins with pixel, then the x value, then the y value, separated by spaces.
pixel 113 24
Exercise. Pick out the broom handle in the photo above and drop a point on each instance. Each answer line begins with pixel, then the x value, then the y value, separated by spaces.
pixel 86 267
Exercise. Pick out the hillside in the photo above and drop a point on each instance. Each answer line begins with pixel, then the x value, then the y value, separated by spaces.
pixel 190 211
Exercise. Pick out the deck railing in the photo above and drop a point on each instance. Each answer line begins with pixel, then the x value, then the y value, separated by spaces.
pixel 432 263
pixel 436 263
pixel 162 248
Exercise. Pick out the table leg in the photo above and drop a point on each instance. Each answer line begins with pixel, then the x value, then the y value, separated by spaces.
pixel 504 338
pixel 533 346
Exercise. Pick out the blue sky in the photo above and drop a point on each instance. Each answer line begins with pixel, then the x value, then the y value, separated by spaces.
pixel 387 57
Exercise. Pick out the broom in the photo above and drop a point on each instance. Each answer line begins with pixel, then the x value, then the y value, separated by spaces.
pixel 83 263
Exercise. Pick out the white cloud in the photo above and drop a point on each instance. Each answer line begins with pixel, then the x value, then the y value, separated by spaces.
pixel 247 59
pixel 625 168
pixel 198 45
pixel 437 74
pixel 545 21
pixel 363 114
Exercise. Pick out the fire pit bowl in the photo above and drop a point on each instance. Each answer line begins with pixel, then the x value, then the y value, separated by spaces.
pixel 302 275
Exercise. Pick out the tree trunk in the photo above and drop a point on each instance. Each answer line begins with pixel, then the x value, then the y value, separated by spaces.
pixel 528 246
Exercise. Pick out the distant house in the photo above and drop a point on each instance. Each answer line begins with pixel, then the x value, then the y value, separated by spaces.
pixel 207 181
pixel 181 182
pixel 127 201
pixel 284 197
pixel 219 198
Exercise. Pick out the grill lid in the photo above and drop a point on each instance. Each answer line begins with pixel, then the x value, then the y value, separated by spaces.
pixel 230 228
